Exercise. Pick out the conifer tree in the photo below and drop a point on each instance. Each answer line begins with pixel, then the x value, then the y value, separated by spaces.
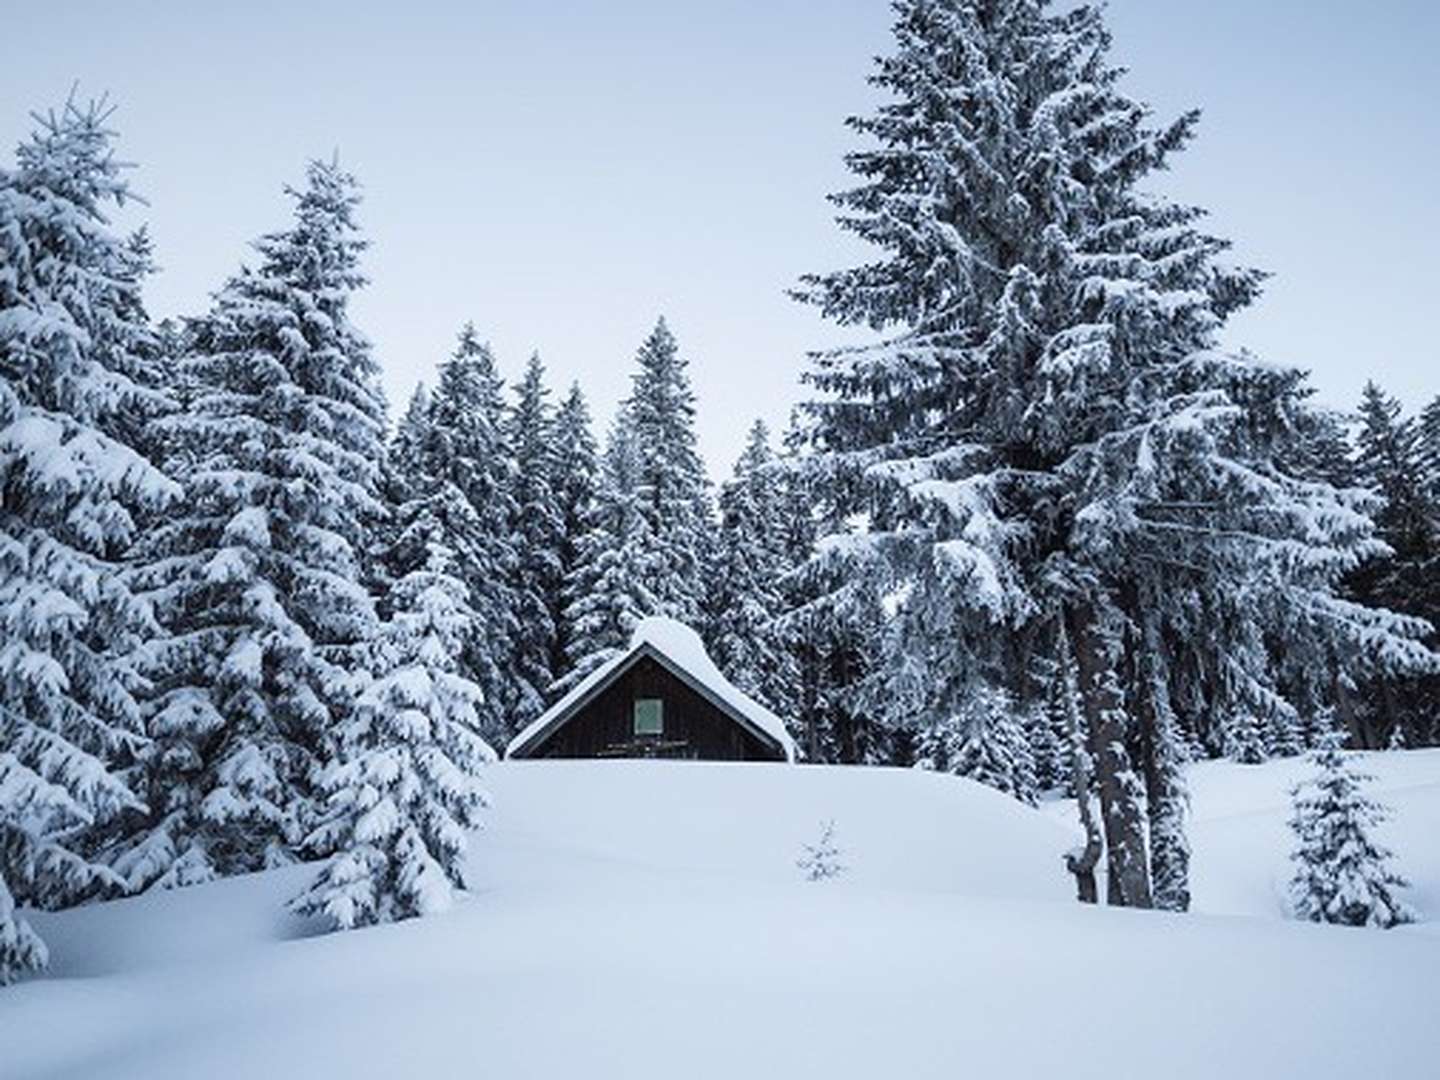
pixel 1430 449
pixel 1245 738
pixel 1341 874
pixel 405 786
pixel 1047 432
pixel 1044 733
pixel 745 601
pixel 468 448
pixel 72 340
pixel 406 462
pixel 832 622
pixel 609 591
pixel 1324 452
pixel 577 469
pixel 406 476
pixel 261 580
pixel 1390 461
pixel 671 483
pixel 537 536
pixel 983 741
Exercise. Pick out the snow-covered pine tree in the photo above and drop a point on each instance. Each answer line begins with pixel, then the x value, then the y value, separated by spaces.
pixel 610 589
pixel 261 577
pixel 832 621
pixel 577 472
pixel 984 741
pixel 404 476
pixel 1045 735
pixel 406 462
pixel 1324 452
pixel 1430 447
pixel 1244 734
pixel 1046 724
pixel 1049 430
pixel 71 348
pixel 672 487
pixel 537 537
pixel 1390 461
pixel 748 565
pixel 405 786
pixel 468 448
pixel 1342 875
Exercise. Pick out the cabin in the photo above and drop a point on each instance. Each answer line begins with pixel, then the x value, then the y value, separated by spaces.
pixel 663 697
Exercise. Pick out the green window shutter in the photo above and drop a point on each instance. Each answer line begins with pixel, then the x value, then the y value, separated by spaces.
pixel 649 716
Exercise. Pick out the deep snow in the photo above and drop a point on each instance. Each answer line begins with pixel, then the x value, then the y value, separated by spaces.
pixel 644 919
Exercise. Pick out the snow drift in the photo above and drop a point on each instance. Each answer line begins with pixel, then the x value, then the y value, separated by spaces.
pixel 646 919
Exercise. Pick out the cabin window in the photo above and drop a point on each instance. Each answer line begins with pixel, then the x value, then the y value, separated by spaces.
pixel 649 716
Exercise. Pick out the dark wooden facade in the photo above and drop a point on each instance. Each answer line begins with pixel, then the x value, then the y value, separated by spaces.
pixel 695 726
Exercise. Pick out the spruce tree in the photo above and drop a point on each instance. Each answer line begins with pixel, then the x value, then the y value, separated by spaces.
pixel 577 470
pixel 671 483
pixel 538 537
pixel 405 787
pixel 469 449
pixel 1430 449
pixel 747 568
pixel 261 578
pixel 1047 432
pixel 983 741
pixel 1341 874
pixel 1390 461
pixel 832 623
pixel 609 591
pixel 72 340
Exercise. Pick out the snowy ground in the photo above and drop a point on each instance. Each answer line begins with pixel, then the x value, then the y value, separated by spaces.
pixel 646 920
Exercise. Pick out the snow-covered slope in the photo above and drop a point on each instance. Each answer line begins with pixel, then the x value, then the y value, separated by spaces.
pixel 646 920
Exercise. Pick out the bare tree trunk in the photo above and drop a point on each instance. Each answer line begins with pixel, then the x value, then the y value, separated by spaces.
pixel 1079 861
pixel 1097 649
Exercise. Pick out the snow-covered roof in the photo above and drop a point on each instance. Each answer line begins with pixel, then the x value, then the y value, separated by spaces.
pixel 680 648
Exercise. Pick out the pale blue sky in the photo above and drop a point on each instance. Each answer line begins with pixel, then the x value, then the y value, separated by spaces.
pixel 562 172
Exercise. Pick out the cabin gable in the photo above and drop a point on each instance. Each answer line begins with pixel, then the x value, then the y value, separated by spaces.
pixel 650 707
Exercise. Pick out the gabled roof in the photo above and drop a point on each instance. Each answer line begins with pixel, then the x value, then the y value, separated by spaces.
pixel 678 649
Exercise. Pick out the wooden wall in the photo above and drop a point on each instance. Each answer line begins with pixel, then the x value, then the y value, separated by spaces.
pixel 694 728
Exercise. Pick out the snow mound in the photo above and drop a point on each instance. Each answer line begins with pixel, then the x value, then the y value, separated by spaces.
pixel 897 828
pixel 646 920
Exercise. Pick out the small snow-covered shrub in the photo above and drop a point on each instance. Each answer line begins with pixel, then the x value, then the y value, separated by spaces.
pixel 821 860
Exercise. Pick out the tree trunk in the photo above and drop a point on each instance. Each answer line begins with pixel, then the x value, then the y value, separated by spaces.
pixel 1097 649
pixel 1079 861
pixel 1166 799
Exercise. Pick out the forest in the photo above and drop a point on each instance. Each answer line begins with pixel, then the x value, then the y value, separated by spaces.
pixel 1038 527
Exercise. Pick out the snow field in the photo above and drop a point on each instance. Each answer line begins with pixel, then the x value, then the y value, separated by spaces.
pixel 646 919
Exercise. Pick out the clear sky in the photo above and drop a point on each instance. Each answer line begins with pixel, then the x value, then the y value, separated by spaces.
pixel 562 172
